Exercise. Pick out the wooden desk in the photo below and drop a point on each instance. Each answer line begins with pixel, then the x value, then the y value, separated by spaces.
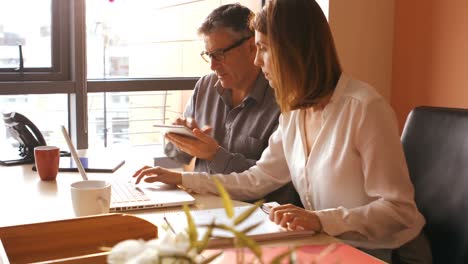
pixel 25 199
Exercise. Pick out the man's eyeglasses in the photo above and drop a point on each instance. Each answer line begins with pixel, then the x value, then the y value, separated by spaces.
pixel 219 54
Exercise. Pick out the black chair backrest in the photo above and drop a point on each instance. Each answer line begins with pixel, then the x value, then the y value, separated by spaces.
pixel 435 141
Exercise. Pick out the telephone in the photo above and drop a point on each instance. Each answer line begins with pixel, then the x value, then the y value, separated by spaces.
pixel 26 133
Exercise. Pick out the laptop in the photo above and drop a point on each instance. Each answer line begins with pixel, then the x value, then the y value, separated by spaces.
pixel 126 196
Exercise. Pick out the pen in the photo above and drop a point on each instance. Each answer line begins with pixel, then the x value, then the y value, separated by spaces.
pixel 266 209
pixel 169 225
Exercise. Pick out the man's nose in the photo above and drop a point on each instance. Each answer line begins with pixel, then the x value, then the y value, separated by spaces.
pixel 214 64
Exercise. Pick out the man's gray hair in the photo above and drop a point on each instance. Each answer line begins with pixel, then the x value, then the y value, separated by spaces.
pixel 235 17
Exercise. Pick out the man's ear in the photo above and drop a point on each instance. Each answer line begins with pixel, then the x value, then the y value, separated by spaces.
pixel 251 44
pixel 251 49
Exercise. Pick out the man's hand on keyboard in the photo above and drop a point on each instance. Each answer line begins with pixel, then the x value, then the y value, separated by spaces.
pixel 157 174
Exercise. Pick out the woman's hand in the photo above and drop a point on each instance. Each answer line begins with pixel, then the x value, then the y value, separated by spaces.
pixel 158 174
pixel 295 218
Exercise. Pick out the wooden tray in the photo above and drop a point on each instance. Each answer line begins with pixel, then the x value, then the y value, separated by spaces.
pixel 76 240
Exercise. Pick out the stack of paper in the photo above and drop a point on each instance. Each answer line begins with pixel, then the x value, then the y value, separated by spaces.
pixel 266 231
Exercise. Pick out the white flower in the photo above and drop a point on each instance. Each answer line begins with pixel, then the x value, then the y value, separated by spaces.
pixel 166 248
pixel 171 244
pixel 147 256
pixel 153 243
pixel 125 250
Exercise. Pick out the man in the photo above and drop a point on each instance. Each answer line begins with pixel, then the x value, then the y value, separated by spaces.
pixel 234 105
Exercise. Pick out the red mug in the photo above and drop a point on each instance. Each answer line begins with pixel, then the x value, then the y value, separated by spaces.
pixel 47 162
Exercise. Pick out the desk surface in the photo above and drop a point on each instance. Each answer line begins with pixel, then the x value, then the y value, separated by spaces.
pixel 25 199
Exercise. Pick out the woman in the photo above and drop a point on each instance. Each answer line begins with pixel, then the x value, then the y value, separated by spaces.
pixel 337 141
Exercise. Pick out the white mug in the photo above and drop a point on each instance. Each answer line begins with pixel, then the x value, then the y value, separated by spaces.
pixel 91 197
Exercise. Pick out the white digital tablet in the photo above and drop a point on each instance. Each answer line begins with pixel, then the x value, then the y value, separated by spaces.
pixel 181 130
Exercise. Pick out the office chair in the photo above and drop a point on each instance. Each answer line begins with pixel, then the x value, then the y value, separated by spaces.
pixel 435 142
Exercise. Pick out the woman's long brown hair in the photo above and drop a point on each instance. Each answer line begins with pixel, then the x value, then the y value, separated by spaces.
pixel 305 63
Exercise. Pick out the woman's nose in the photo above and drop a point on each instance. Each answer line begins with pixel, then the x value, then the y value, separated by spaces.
pixel 258 61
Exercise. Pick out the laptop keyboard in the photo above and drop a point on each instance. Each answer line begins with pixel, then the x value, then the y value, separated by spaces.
pixel 124 192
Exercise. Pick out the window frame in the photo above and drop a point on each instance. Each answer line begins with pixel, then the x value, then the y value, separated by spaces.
pixel 60 48
pixel 76 84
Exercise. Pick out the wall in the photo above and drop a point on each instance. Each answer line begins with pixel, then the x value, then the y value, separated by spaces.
pixel 430 55
pixel 363 32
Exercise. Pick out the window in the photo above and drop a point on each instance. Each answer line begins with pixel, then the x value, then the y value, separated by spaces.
pixel 33 45
pixel 142 61
pixel 51 115
pixel 324 4
pixel 158 39
pixel 127 118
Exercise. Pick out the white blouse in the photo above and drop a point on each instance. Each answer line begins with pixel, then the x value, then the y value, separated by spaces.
pixel 355 176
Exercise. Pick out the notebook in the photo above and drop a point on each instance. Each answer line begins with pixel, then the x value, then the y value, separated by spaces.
pixel 265 231
pixel 125 195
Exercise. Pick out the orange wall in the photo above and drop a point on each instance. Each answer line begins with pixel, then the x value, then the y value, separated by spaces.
pixel 363 33
pixel 430 55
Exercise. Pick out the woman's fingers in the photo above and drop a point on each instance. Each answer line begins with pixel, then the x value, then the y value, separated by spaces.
pixel 151 179
pixel 140 170
pixel 297 224
pixel 286 218
pixel 148 171
pixel 294 218
pixel 158 174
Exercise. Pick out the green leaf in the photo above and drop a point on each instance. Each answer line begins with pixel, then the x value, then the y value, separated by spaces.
pixel 225 227
pixel 192 229
pixel 227 203
pixel 247 212
pixel 246 241
pixel 243 240
pixel 250 228
pixel 211 258
pixel 206 237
